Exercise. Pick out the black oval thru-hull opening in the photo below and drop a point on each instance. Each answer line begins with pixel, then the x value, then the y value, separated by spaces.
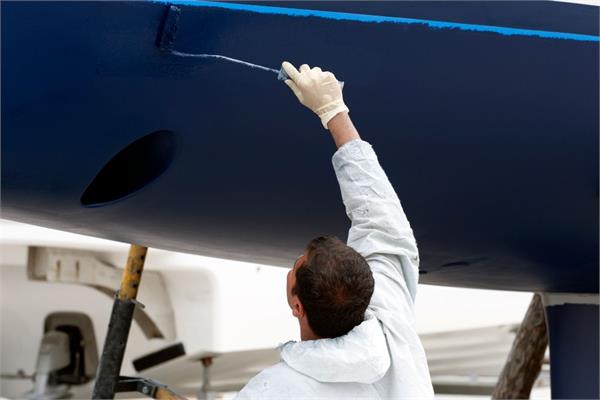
pixel 132 168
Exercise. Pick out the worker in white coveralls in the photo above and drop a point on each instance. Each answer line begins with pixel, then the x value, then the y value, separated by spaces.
pixel 354 302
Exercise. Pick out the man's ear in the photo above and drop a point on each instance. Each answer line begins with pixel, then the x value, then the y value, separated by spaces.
pixel 297 308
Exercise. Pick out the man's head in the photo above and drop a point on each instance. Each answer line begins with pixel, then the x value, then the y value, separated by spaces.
pixel 330 287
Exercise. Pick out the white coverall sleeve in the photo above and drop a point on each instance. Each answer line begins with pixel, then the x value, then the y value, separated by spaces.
pixel 380 231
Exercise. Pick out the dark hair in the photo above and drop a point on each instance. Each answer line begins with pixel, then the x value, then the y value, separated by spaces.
pixel 335 285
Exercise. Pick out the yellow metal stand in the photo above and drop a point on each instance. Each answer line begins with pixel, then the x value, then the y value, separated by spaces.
pixel 108 382
pixel 132 275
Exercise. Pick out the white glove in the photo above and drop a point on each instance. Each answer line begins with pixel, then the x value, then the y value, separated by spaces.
pixel 320 91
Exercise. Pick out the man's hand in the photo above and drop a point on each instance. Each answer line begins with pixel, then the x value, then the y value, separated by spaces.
pixel 318 90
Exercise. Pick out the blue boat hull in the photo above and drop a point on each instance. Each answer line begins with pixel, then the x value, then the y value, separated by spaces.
pixel 487 125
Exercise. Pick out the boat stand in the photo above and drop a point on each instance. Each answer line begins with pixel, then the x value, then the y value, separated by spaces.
pixel 108 381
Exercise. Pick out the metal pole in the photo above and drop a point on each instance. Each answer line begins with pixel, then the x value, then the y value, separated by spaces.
pixel 526 355
pixel 205 390
pixel 109 367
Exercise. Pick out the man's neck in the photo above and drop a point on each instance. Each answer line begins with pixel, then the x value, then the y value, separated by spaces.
pixel 306 333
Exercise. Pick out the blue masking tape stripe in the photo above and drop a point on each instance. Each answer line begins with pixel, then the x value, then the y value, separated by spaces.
pixel 343 16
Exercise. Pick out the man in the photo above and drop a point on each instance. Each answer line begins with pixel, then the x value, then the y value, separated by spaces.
pixel 355 302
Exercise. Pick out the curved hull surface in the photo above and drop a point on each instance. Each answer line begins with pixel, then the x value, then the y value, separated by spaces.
pixel 487 125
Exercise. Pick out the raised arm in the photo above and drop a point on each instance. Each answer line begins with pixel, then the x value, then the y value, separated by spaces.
pixel 380 230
